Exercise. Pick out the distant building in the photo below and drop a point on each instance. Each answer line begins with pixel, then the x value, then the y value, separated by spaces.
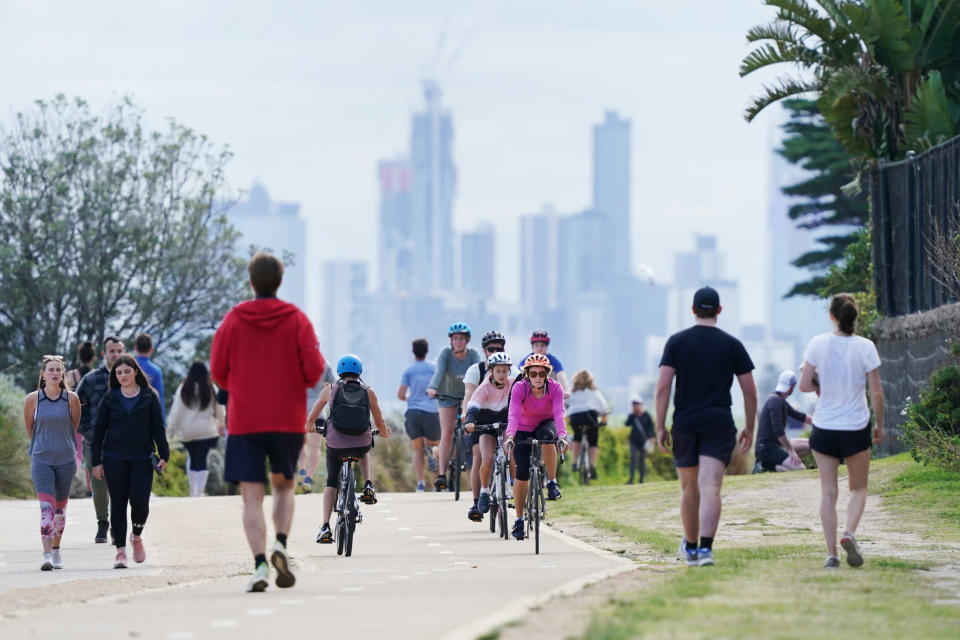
pixel 611 187
pixel 539 249
pixel 478 262
pixel 396 242
pixel 431 197
pixel 704 266
pixel 277 226
pixel 345 326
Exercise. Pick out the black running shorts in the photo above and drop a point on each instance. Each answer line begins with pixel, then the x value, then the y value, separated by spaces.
pixel 840 444
pixel 546 430
pixel 247 455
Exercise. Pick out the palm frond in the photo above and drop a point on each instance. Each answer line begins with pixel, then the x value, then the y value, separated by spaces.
pixel 774 93
pixel 940 31
pixel 928 118
pixel 800 13
pixel 778 31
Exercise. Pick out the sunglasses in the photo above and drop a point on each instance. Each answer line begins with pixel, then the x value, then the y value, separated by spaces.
pixel 494 349
pixel 537 374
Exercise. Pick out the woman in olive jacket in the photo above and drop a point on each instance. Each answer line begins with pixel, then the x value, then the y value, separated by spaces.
pixel 128 431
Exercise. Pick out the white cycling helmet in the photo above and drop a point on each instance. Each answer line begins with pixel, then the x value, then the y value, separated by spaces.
pixel 500 357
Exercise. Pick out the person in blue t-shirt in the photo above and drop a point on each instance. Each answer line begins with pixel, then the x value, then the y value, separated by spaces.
pixel 422 420
pixel 143 345
pixel 540 342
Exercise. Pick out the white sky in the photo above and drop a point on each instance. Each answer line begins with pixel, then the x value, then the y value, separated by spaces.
pixel 309 95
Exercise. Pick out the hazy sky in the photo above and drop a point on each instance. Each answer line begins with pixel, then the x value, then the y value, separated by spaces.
pixel 309 95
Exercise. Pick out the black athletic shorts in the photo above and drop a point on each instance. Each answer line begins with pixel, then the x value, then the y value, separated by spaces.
pixel 589 421
pixel 546 430
pixel 333 461
pixel 422 424
pixel 248 453
pixel 771 457
pixel 710 432
pixel 840 444
pixel 484 417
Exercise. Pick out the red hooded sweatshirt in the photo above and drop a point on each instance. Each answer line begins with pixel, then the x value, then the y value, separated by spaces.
pixel 265 354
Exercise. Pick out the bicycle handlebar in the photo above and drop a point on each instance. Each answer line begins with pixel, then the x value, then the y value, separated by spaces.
pixel 490 428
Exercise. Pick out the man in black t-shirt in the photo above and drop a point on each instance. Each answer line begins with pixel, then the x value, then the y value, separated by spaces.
pixel 704 360
pixel 774 450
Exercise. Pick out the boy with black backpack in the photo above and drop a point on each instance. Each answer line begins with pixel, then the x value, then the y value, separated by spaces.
pixel 348 433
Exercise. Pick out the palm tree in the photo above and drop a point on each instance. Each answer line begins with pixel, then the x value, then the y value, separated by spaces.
pixel 886 73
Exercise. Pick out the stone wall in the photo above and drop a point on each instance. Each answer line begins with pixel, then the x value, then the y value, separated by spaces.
pixel 911 348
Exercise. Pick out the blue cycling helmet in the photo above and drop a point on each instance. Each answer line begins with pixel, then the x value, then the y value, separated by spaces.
pixel 459 327
pixel 349 364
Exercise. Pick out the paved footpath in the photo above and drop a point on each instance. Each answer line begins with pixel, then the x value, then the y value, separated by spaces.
pixel 419 569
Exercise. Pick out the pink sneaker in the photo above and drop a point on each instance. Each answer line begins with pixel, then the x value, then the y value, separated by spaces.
pixel 121 560
pixel 139 553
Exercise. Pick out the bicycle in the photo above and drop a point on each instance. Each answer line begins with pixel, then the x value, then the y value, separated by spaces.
pixel 347 506
pixel 535 507
pixel 456 460
pixel 583 458
pixel 499 514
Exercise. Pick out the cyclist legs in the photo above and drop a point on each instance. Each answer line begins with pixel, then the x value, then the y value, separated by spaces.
pixel 475 471
pixel 448 418
pixel 488 451
pixel 365 465
pixel 550 461
pixel 520 496
pixel 593 439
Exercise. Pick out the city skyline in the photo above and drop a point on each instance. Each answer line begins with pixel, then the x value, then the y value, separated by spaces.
pixel 308 116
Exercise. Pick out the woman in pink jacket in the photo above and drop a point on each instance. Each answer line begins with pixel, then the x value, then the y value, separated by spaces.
pixel 536 411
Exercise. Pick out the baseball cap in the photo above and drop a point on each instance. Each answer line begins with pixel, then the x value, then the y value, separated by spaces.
pixel 706 298
pixel 786 380
pixel 636 400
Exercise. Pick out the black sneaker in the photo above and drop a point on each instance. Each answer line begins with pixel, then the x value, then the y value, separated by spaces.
pixel 518 532
pixel 102 527
pixel 483 504
pixel 369 495
pixel 553 491
pixel 593 473
pixel 326 535
pixel 474 514
pixel 440 482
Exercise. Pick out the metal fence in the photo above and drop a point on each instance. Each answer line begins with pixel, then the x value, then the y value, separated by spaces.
pixel 908 199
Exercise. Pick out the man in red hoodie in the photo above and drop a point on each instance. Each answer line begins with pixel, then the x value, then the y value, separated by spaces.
pixel 265 354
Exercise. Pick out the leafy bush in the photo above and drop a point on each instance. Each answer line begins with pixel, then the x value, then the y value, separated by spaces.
pixel 932 427
pixel 173 480
pixel 613 462
pixel 14 459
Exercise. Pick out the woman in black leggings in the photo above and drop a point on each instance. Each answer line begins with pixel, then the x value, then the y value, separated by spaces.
pixel 128 430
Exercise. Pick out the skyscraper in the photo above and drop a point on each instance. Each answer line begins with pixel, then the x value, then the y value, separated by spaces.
pixel 431 197
pixel 478 261
pixel 538 255
pixel 611 186
pixel 276 226
pixel 395 233
pixel 343 329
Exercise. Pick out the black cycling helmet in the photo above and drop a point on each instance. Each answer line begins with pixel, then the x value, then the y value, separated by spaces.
pixel 492 336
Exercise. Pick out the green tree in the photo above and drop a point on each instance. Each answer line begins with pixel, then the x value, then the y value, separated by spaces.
pixel 886 73
pixel 810 144
pixel 109 228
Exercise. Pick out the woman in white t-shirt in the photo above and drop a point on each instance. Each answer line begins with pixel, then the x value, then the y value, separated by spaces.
pixel 843 363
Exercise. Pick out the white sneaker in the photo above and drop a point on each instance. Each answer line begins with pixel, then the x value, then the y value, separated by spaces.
pixel 57 560
pixel 47 562
pixel 260 578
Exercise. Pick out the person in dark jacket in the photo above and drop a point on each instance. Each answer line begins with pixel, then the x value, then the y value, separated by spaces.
pixel 91 389
pixel 128 431
pixel 641 429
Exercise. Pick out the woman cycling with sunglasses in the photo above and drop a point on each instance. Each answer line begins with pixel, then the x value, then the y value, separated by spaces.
pixel 536 411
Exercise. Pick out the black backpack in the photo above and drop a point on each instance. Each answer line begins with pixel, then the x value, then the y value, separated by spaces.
pixel 350 408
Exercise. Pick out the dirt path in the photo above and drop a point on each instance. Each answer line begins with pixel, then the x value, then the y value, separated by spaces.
pixel 790 511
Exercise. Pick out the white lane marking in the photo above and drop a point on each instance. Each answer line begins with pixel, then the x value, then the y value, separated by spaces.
pixel 383 510
pixel 223 624
pixel 444 551
pixel 180 635
pixel 259 612
pixel 434 544
pixel 421 573
pixel 376 582
pixel 290 602
pixel 461 562
pixel 442 570
pixel 403 528
pixel 351 589
pixel 391 519
pixel 325 597
pixel 548 566
pixel 414 537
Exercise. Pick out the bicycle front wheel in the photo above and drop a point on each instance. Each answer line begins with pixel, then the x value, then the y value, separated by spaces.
pixel 502 500
pixel 350 519
pixel 457 463
pixel 536 493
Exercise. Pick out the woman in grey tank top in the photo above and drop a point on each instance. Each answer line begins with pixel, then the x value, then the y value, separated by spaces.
pixel 51 415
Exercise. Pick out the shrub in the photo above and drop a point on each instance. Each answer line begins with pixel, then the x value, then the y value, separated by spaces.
pixel 14 459
pixel 173 480
pixel 613 462
pixel 932 427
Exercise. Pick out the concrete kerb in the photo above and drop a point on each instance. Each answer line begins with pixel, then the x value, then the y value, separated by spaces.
pixel 516 610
